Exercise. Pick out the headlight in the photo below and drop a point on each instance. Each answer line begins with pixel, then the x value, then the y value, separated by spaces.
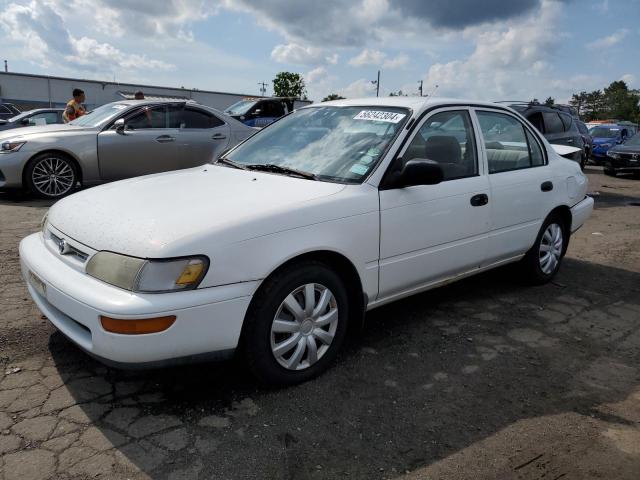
pixel 613 155
pixel 43 223
pixel 606 145
pixel 149 276
pixel 11 146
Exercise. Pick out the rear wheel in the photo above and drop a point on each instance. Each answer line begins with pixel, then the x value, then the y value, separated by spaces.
pixel 542 261
pixel 51 175
pixel 296 324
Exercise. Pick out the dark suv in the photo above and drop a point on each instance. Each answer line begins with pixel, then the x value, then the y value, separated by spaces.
pixel 556 124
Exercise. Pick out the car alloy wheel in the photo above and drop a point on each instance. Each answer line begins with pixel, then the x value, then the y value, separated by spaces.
pixel 53 176
pixel 550 250
pixel 304 326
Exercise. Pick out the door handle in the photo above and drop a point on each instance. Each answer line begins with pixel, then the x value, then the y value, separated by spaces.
pixel 546 186
pixel 479 200
pixel 165 139
pixel 218 136
pixel 569 140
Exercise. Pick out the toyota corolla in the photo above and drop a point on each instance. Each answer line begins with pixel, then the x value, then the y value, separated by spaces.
pixel 283 243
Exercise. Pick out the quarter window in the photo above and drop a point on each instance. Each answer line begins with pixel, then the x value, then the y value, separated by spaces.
pixel 508 144
pixel 552 123
pixel 446 138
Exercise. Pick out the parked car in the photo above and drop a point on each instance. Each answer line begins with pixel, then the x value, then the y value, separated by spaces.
pixel 8 110
pixel 284 242
pixel 606 136
pixel 259 112
pixel 623 158
pixel 558 126
pixel 31 118
pixel 115 141
pixel 586 138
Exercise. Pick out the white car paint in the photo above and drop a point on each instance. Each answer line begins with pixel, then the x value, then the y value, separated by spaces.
pixel 248 223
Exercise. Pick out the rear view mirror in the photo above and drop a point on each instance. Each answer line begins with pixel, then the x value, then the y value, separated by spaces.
pixel 420 171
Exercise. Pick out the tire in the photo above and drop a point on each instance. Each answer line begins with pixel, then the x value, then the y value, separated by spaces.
pixel 277 342
pixel 583 161
pixel 537 267
pixel 51 175
pixel 610 172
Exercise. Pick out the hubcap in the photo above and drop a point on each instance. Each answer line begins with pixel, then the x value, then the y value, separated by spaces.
pixel 53 176
pixel 304 326
pixel 550 248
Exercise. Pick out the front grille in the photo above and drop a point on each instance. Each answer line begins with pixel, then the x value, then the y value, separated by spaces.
pixel 69 249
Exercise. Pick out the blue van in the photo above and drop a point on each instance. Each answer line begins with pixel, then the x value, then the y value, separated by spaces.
pixel 607 136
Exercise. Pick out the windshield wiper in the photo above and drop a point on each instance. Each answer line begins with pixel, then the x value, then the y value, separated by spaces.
pixel 272 167
pixel 231 163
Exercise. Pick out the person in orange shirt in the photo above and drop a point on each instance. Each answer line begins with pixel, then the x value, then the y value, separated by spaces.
pixel 75 107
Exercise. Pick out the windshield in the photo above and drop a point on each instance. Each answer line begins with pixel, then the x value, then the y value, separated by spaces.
pixel 100 115
pixel 635 140
pixel 340 144
pixel 604 132
pixel 240 108
pixel 17 118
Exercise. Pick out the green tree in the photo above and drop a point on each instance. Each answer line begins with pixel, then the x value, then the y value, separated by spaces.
pixel 332 96
pixel 578 102
pixel 288 84
pixel 621 103
pixel 550 102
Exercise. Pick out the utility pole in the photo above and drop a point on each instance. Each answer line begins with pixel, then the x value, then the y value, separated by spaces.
pixel 378 84
pixel 6 66
pixel 263 88
pixel 420 87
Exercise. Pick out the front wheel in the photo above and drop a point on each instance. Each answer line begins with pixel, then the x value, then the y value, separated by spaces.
pixel 542 261
pixel 51 175
pixel 296 324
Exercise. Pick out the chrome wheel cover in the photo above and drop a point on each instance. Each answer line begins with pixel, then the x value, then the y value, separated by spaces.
pixel 551 248
pixel 304 326
pixel 53 176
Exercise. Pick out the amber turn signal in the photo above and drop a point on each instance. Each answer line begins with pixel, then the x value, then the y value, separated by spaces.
pixel 137 326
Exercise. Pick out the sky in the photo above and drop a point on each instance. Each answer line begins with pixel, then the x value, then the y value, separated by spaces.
pixel 483 50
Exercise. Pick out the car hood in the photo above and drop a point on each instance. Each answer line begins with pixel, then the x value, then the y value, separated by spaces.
pixel 176 213
pixel 626 148
pixel 41 129
pixel 604 140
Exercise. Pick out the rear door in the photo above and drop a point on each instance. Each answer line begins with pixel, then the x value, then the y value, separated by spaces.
pixel 521 182
pixel 203 135
pixel 147 145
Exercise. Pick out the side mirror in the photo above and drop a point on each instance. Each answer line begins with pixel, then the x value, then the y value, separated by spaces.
pixel 119 126
pixel 24 121
pixel 420 171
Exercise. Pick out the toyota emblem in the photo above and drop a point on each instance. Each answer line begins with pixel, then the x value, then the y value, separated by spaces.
pixel 62 246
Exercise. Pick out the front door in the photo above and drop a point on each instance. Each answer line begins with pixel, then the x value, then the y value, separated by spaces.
pixel 432 232
pixel 147 145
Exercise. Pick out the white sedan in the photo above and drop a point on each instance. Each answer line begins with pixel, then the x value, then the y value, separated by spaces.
pixel 286 241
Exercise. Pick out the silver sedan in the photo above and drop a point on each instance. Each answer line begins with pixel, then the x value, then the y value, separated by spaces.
pixel 115 141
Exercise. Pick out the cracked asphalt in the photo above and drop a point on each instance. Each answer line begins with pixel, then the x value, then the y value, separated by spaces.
pixel 484 378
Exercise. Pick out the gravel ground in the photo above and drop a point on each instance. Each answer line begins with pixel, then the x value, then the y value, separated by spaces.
pixel 484 378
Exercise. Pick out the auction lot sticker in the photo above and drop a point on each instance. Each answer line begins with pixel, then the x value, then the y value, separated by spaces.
pixel 379 116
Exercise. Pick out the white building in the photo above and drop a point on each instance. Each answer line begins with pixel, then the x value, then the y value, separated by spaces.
pixel 29 91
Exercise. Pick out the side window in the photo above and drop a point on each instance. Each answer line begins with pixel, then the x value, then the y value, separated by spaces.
pixel 552 123
pixel 446 138
pixel 148 117
pixel 508 144
pixel 536 120
pixel 566 121
pixel 180 117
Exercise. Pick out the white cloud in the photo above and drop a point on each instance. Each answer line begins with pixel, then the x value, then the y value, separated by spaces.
pixel 43 37
pixel 302 55
pixel 610 40
pixel 359 88
pixel 316 75
pixel 508 63
pixel 379 59
pixel 629 79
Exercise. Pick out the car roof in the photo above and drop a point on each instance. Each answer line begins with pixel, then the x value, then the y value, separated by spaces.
pixel 415 103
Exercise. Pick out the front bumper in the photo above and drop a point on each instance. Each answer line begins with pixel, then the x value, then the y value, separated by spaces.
pixel 622 164
pixel 580 212
pixel 208 320
pixel 11 168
